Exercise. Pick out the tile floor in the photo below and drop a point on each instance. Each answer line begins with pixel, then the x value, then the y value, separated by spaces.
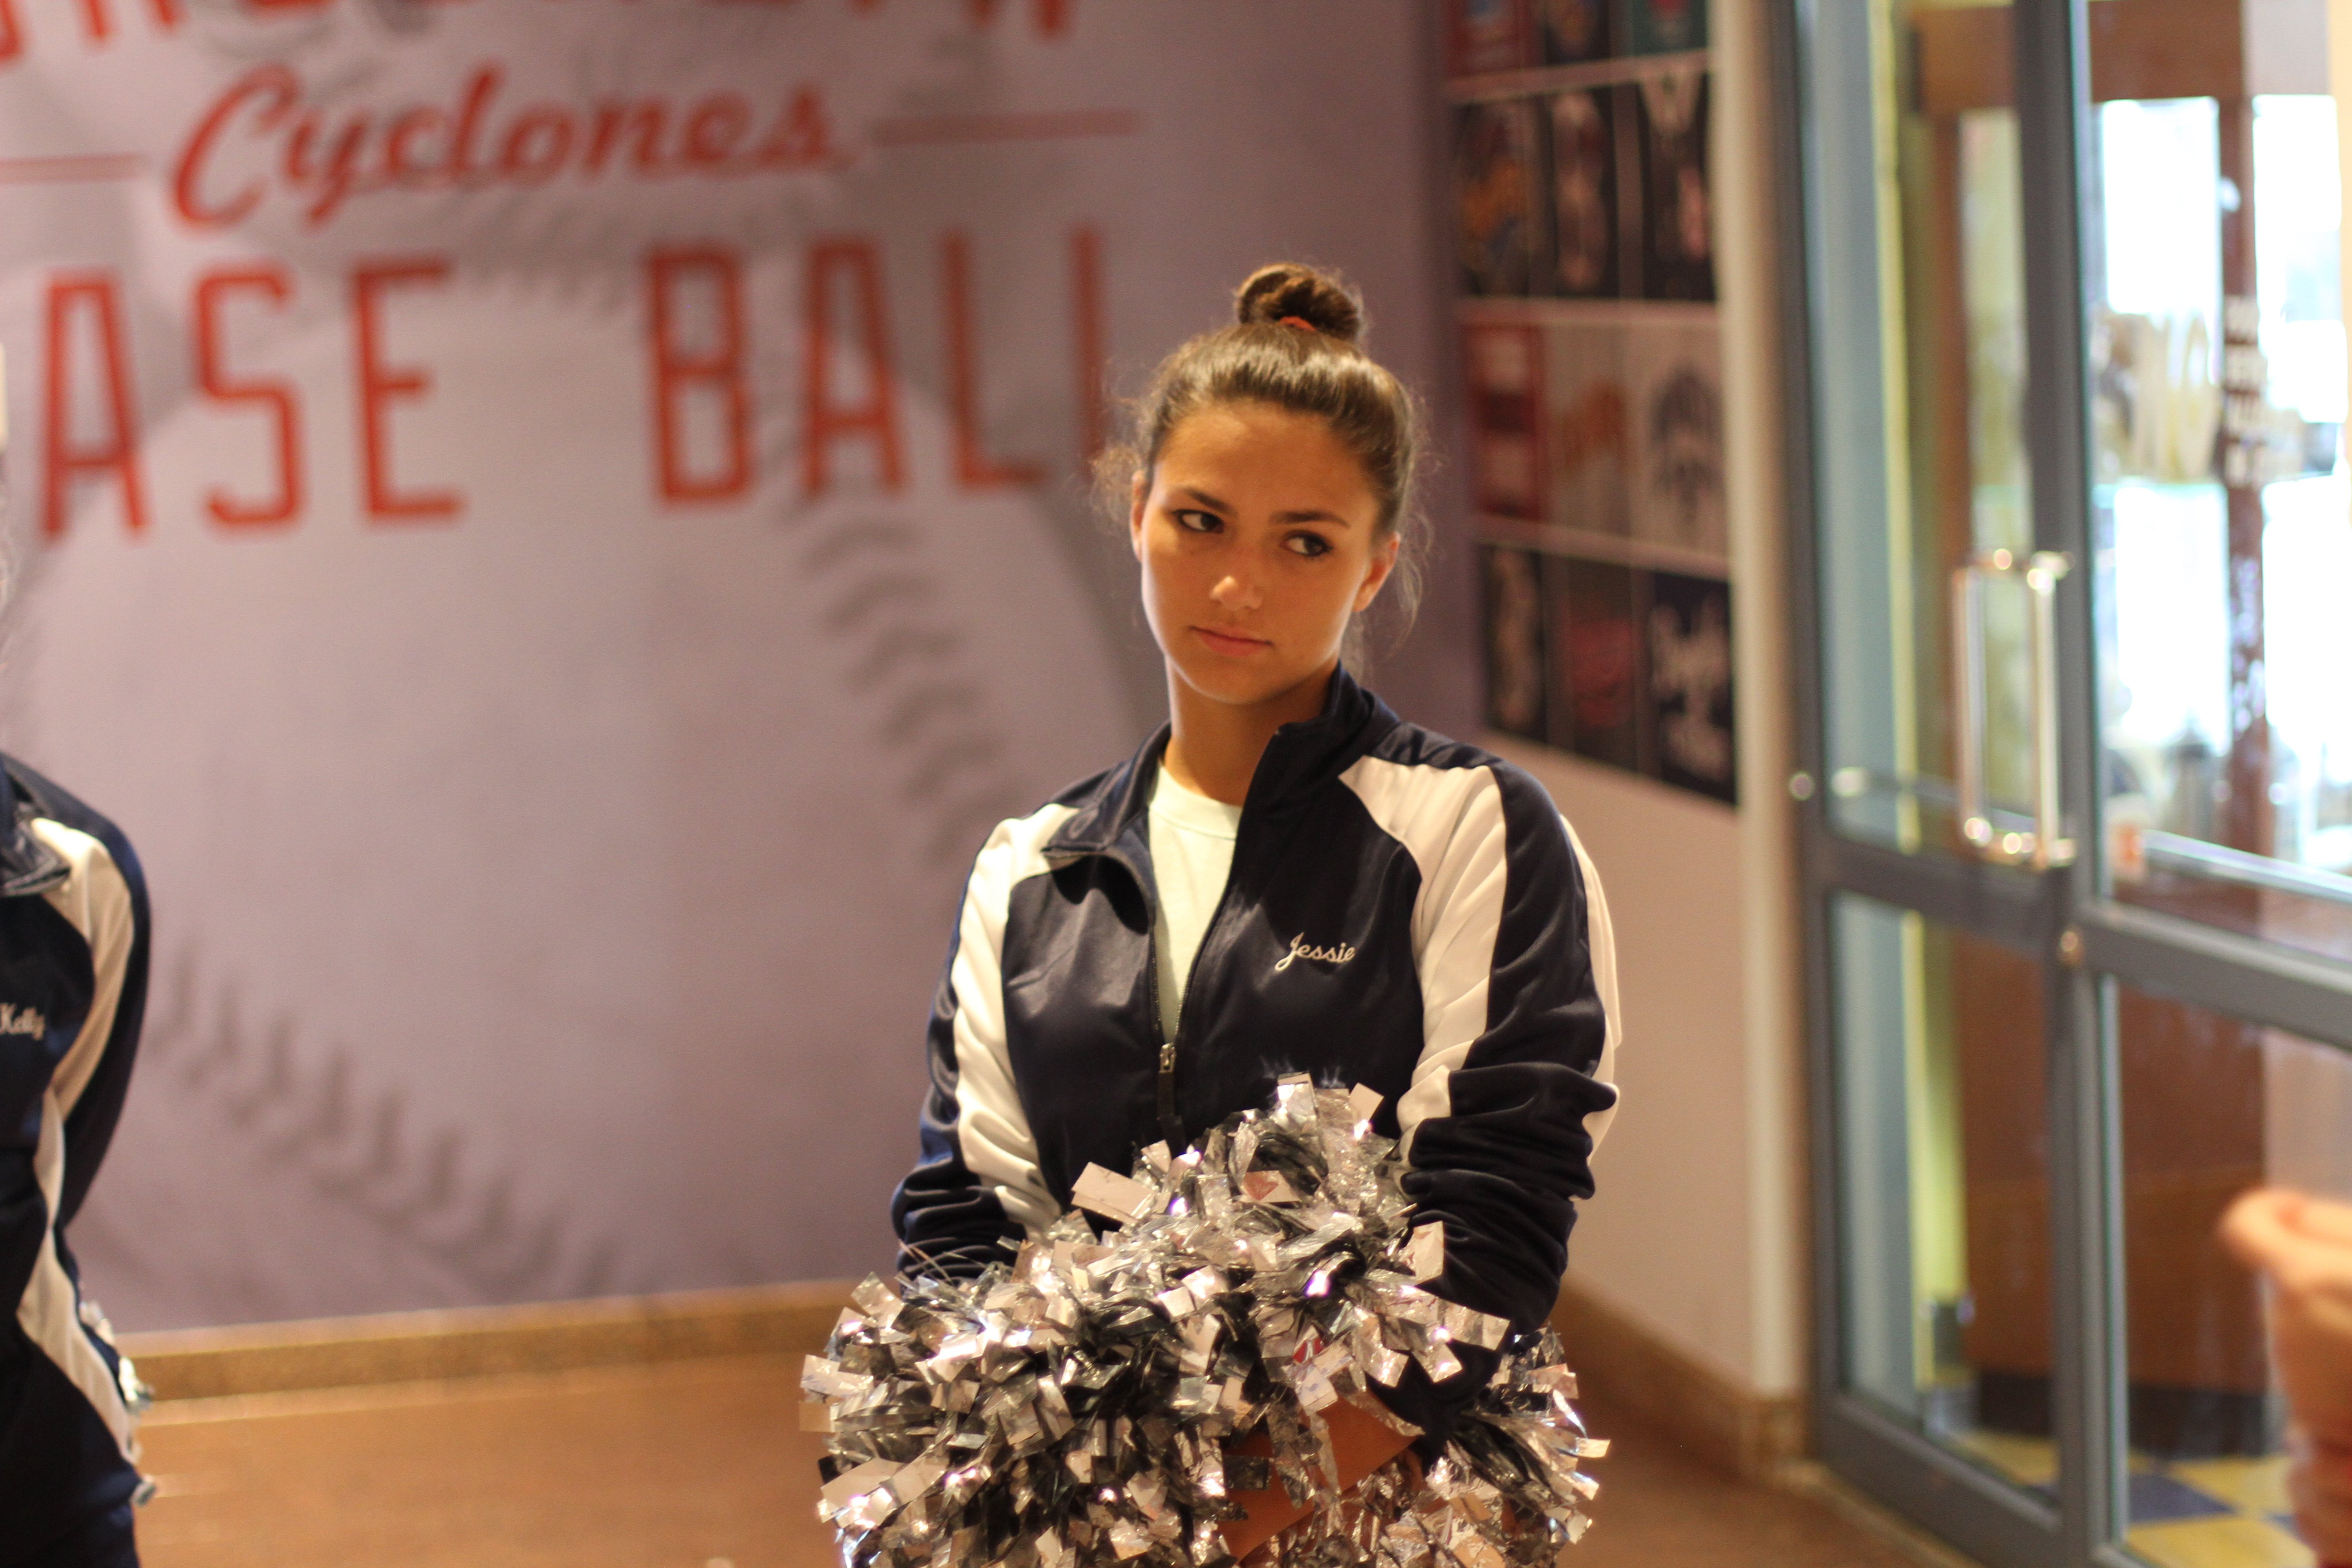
pixel 700 1464
pixel 2205 1514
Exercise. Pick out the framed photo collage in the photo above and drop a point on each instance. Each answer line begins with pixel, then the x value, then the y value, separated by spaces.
pixel 1585 296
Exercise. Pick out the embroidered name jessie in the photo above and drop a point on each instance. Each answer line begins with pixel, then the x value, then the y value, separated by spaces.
pixel 1298 950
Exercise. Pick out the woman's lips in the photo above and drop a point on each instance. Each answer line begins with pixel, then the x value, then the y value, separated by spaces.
pixel 1231 643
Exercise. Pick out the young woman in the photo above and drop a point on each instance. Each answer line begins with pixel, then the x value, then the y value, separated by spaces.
pixel 1287 878
pixel 73 987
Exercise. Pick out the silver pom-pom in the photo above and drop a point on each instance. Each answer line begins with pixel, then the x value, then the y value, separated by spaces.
pixel 1076 1408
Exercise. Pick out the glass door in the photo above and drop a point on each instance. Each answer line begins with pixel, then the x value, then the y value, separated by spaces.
pixel 2068 385
pixel 2220 549
pixel 1944 1185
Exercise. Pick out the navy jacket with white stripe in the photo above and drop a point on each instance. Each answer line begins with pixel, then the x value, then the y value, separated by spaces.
pixel 1404 912
pixel 73 986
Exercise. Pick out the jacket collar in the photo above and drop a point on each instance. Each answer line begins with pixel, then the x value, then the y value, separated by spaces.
pixel 1299 759
pixel 27 864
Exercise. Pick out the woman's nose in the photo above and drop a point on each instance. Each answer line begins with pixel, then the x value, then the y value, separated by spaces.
pixel 1233 593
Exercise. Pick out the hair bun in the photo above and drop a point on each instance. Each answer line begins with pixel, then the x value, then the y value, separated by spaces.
pixel 1321 299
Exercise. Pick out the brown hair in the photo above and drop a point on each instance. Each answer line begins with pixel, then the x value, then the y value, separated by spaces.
pixel 1296 343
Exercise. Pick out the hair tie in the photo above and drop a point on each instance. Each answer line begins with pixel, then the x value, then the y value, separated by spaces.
pixel 1301 322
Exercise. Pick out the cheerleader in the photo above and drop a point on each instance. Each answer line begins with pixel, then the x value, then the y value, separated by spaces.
pixel 1286 878
pixel 73 985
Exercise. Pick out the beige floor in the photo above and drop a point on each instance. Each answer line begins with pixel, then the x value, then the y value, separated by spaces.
pixel 700 1464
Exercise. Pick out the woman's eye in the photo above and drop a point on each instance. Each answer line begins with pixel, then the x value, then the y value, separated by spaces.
pixel 1309 544
pixel 1198 521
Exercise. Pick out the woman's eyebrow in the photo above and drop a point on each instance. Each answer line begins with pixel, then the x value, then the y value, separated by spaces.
pixel 1203 498
pixel 1311 516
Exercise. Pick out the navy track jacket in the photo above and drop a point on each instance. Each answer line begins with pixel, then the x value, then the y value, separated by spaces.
pixel 73 986
pixel 1404 912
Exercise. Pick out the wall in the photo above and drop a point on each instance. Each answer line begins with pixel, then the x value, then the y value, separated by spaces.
pixel 553 815
pixel 1666 1238
pixel 1698 1233
pixel 494 861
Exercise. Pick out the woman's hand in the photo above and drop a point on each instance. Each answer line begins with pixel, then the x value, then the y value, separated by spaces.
pixel 2304 1246
pixel 1361 1443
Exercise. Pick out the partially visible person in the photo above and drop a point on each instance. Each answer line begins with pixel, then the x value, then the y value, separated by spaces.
pixel 73 986
pixel 2303 1247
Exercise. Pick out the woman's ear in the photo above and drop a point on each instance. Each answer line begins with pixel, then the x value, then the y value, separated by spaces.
pixel 1139 493
pixel 1376 574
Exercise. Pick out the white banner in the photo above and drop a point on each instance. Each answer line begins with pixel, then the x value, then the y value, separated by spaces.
pixel 555 525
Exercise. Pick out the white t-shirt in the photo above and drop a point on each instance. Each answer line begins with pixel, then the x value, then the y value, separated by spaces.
pixel 1192 854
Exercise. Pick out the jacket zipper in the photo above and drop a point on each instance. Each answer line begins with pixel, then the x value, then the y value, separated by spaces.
pixel 1172 1126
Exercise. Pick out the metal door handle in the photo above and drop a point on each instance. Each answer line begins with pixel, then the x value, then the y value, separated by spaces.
pixel 2043 847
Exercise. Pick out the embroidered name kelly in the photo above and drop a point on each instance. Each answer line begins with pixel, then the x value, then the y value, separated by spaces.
pixel 16 1020
pixel 1299 949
